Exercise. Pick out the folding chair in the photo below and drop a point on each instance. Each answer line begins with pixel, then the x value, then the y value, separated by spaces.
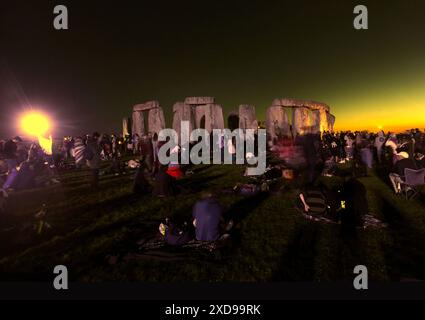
pixel 414 179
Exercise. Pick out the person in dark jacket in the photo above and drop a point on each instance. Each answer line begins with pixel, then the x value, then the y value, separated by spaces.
pixel 94 150
pixel 141 184
pixel 10 149
pixel 164 184
pixel 146 152
pixel 207 216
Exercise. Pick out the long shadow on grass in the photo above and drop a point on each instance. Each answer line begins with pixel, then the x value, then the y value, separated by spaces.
pixel 241 210
pixel 298 262
pixel 406 255
pixel 198 183
pixel 77 216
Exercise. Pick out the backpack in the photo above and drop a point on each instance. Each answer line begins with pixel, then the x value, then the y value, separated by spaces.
pixel 176 235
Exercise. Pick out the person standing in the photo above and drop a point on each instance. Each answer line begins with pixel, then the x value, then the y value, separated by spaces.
pixel 93 151
pixel 146 152
pixel 379 144
pixel 10 149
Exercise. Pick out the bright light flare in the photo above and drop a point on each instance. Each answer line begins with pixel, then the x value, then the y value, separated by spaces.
pixel 38 125
pixel 35 124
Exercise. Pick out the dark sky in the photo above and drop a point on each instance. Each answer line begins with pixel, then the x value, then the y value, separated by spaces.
pixel 119 53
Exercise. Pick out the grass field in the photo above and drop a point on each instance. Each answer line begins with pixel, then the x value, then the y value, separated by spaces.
pixel 273 242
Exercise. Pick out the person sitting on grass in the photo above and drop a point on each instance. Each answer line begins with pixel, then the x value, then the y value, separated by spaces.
pixel 397 174
pixel 420 160
pixel 207 217
pixel 315 199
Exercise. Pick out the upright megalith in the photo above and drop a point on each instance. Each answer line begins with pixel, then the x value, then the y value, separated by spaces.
pixel 315 122
pixel 126 127
pixel 217 118
pixel 155 114
pixel 138 123
pixel 301 124
pixel 277 123
pixel 331 122
pixel 182 112
pixel 247 117
pixel 156 121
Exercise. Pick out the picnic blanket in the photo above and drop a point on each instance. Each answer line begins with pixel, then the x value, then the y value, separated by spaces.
pixel 156 248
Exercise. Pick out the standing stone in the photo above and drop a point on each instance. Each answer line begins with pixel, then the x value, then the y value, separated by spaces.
pixel 126 127
pixel 202 116
pixel 182 112
pixel 217 117
pixel 138 123
pixel 247 117
pixel 316 122
pixel 156 120
pixel 324 121
pixel 301 121
pixel 331 122
pixel 277 122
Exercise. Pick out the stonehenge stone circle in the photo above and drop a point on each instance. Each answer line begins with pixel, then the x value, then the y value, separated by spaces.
pixel 284 118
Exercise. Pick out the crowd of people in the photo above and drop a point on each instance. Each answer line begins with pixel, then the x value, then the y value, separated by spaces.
pixel 24 165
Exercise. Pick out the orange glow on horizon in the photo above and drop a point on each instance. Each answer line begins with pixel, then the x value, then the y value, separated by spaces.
pixel 395 117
